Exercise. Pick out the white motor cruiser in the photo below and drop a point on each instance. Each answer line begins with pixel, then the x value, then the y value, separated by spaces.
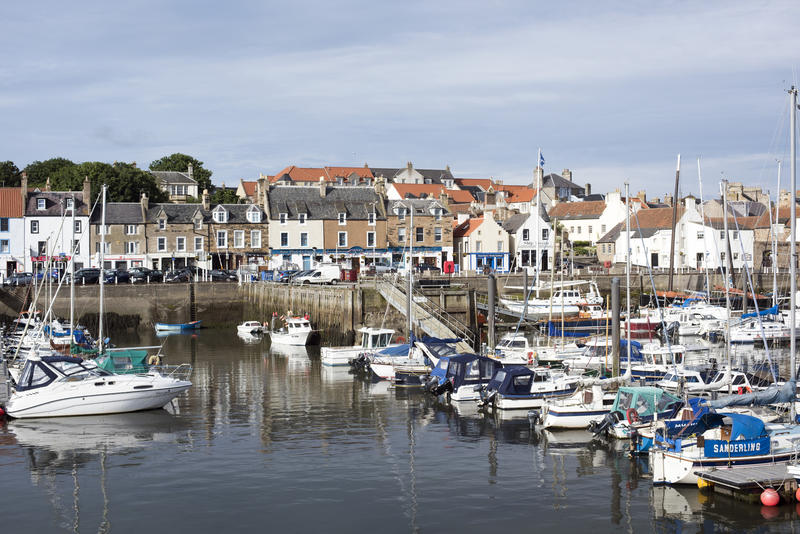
pixel 250 327
pixel 57 386
pixel 579 410
pixel 372 339
pixel 296 332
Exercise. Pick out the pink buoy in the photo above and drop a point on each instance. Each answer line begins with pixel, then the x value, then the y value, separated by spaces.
pixel 797 494
pixel 770 497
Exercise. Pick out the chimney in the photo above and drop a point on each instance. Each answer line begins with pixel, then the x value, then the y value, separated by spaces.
pixel 190 171
pixel 47 184
pixel 538 177
pixel 567 174
pixel 668 200
pixel 23 189
pixel 689 202
pixel 784 199
pixel 323 187
pixel 145 204
pixel 409 166
pixel 587 189
pixel 641 195
pixel 206 200
pixel 87 192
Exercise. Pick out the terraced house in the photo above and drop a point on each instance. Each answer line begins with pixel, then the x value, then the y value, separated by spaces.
pixel 431 236
pixel 176 235
pixel 125 235
pixel 239 235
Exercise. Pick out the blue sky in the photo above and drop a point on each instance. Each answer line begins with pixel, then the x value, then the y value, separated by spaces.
pixel 611 90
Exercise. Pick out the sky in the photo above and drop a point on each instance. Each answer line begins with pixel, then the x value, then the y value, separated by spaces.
pixel 613 91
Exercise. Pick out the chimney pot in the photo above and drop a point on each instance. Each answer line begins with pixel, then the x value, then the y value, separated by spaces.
pixel 206 200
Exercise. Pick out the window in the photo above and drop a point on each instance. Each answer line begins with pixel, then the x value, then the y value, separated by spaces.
pixel 76 247
pixel 41 204
pixel 370 239
pixel 162 224
pixel 579 229
pixel 222 239
pixel 342 242
pixel 590 228
pixel 722 234
pixel 130 229
pixel 499 246
pixel 722 256
pixel 477 246
pixel 735 235
pixel 70 203
pixel 180 244
pixel 282 218
pixel 437 214
pixel 254 216
pixel 198 224
pixel 303 239
pixel 77 227
pixel 603 229
pixel 342 218
pixel 198 244
pixel 371 219
pixel 700 235
pixel 220 216
pixel 238 239
pixel 42 248
pixel 34 227
pixel 99 229
pixel 302 218
pixel 4 247
pixel 4 224
pixel 572 229
pixel 284 239
pixel 132 247
pixel 735 255
pixel 545 234
pixel 401 235
pixel 401 214
pixel 255 238
pixel 161 245
pixel 106 249
pixel 437 234
pixel 420 234
pixel 526 234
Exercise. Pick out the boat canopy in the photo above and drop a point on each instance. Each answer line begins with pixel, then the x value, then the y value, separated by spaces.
pixel 512 380
pixel 466 368
pixel 124 362
pixel 769 311
pixel 744 426
pixel 773 395
pixel 646 400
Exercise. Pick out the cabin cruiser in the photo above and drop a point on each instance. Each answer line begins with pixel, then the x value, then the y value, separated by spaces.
pixel 518 387
pixel 56 386
pixel 563 302
pixel 250 327
pixel 372 339
pixel 597 354
pixel 514 348
pixel 634 408
pixel 579 410
pixel 457 376
pixel 753 330
pixel 296 332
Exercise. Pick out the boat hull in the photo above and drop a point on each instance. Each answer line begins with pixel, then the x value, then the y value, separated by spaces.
pixel 177 327
pixel 671 468
pixel 295 339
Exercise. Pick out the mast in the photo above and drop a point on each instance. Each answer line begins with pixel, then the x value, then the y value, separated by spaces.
pixel 674 222
pixel 102 272
pixel 538 231
pixel 724 185
pixel 775 239
pixel 628 270
pixel 72 274
pixel 553 268
pixel 703 217
pixel 409 299
pixel 792 242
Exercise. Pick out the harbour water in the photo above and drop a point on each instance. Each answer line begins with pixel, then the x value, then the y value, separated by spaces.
pixel 270 440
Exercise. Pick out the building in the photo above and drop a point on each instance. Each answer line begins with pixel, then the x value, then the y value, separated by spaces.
pixel 12 230
pixel 293 175
pixel 248 191
pixel 239 235
pixel 559 187
pixel 429 232
pixel 527 235
pixel 481 244
pixel 180 186
pixel 125 235
pixel 177 235
pixel 590 220
pixel 49 231
pixel 410 175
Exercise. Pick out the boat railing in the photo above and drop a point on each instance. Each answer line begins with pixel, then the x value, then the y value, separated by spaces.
pixel 178 372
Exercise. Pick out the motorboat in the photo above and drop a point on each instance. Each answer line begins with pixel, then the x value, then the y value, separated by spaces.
pixel 57 386
pixel 753 330
pixel 296 332
pixel 461 377
pixel 518 387
pixel 514 348
pixel 567 302
pixel 636 408
pixel 250 327
pixel 579 410
pixel 597 354
pixel 372 339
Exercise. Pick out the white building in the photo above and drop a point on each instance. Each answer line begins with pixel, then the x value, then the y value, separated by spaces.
pixel 591 220
pixel 296 226
pixel 482 244
pixel 523 230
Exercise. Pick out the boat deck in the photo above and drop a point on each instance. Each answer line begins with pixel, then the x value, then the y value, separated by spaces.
pixel 748 478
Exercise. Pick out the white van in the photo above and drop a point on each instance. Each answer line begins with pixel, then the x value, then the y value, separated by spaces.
pixel 323 274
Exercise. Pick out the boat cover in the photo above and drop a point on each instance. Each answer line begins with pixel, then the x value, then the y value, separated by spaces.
pixel 646 400
pixel 772 395
pixel 769 311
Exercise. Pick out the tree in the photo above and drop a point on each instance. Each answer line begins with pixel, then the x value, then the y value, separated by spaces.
pixel 9 174
pixel 40 171
pixel 180 163
pixel 125 182
pixel 222 195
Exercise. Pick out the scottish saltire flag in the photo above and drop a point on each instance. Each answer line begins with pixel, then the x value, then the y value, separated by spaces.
pixel 541 160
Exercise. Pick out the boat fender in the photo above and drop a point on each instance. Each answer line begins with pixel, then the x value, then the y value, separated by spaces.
pixel 632 415
pixel 770 497
pixel 530 357
pixel 154 359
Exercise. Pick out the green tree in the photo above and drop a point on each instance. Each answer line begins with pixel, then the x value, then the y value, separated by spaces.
pixel 125 182
pixel 9 174
pixel 180 162
pixel 224 196
pixel 39 171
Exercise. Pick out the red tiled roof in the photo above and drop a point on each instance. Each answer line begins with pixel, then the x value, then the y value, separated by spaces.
pixel 334 172
pixel 467 227
pixel 313 174
pixel 459 208
pixel 517 193
pixel 483 183
pixel 459 196
pixel 574 210
pixel 655 218
pixel 249 188
pixel 11 202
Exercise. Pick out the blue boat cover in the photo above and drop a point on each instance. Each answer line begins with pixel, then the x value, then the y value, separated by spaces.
pixel 769 311
pixel 398 350
pixel 744 426
pixel 772 395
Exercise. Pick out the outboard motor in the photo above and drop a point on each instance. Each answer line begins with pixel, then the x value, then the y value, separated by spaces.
pixel 610 419
pixel 534 418
pixel 441 389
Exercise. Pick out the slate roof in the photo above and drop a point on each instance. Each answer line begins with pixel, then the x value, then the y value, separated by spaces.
pixel 417 190
pixel 177 213
pixel 513 223
pixel 11 204
pixel 578 210
pixel 644 233
pixel 356 201
pixel 556 180
pixel 612 235
pixel 481 183
pixel 420 206
pixel 434 175
pixel 174 177
pixel 237 213
pixel 119 213
pixel 53 203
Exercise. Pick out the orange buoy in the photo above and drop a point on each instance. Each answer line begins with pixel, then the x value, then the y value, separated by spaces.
pixel 770 497
pixel 797 494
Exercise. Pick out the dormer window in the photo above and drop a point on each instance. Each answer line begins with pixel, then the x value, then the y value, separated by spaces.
pixel 70 203
pixel 220 215
pixel 401 214
pixel 41 204
pixel 198 224
pixel 371 218
pixel 162 224
pixel 302 218
pixel 342 217
pixel 437 214
pixel 282 218
pixel 254 216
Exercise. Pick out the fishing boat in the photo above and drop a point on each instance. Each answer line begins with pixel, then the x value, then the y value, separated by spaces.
pixel 250 327
pixel 518 387
pixel 295 332
pixel 372 339
pixel 177 327
pixel 57 386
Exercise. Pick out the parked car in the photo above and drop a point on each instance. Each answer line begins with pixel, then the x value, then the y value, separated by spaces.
pixel 116 276
pixel 285 276
pixel 178 276
pixel 221 275
pixel 143 274
pixel 18 279
pixel 87 276
pixel 381 267
pixel 323 274
pixel 426 267
pixel 53 275
pixel 299 274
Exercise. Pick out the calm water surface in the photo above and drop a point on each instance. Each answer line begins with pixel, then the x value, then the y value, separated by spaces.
pixel 271 441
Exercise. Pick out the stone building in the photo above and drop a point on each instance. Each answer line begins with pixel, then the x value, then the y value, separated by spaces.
pixel 125 235
pixel 240 235
pixel 431 235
